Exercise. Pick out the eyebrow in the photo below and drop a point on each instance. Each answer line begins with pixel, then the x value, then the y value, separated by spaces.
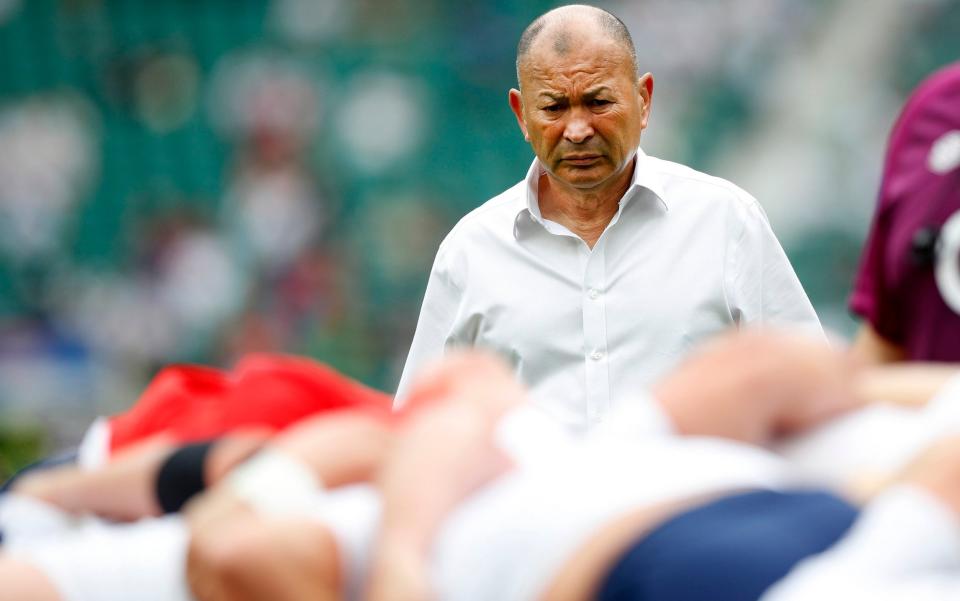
pixel 552 96
pixel 591 93
pixel 596 91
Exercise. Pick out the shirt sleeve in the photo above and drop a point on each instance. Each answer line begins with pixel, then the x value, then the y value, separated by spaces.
pixel 871 298
pixel 762 287
pixel 905 545
pixel 440 303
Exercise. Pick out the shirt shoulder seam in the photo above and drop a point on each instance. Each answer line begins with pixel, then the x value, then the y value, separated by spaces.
pixel 688 173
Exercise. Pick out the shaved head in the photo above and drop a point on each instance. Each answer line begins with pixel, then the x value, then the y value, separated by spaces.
pixel 557 27
pixel 581 104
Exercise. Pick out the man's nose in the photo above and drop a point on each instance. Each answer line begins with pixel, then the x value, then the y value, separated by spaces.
pixel 579 128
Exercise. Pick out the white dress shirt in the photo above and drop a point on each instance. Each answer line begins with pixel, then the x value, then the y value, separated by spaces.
pixel 685 256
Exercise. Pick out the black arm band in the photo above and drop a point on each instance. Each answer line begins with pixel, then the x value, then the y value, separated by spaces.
pixel 182 476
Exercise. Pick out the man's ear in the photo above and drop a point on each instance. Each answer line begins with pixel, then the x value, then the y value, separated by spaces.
pixel 645 91
pixel 516 105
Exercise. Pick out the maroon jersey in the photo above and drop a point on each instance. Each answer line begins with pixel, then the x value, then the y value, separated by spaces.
pixel 895 289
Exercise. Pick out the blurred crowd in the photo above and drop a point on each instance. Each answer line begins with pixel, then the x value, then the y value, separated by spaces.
pixel 193 181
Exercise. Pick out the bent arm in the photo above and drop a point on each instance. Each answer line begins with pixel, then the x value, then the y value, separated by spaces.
pixel 755 386
pixel 125 488
pixel 908 384
pixel 872 348
pixel 122 490
pixel 758 386
pixel 340 448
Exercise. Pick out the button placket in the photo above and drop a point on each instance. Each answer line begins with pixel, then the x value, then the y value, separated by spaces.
pixel 595 336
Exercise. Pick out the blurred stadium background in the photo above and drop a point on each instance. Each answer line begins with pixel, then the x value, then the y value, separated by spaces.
pixel 194 180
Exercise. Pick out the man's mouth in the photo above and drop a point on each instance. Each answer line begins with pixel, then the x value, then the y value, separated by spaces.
pixel 581 159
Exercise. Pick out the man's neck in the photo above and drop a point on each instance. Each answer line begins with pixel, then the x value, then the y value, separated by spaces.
pixel 586 213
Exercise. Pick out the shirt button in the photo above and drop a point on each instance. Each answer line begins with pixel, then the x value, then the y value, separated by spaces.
pixel 596 355
pixel 593 293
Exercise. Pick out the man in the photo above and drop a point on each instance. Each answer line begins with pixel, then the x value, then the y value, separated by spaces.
pixel 601 269
pixel 904 300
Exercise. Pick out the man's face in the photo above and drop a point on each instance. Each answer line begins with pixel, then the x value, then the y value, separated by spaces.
pixel 582 109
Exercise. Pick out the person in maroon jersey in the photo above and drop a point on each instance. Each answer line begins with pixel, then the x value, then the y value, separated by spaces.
pixel 904 290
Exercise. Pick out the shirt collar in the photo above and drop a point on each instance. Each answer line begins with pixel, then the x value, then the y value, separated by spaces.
pixel 644 176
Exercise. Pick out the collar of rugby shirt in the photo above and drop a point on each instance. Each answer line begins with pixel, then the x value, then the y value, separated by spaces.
pixel 644 177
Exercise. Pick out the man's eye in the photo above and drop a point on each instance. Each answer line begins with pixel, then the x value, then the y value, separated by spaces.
pixel 552 108
pixel 599 102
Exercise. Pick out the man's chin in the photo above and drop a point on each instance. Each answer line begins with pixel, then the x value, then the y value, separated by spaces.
pixel 582 179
